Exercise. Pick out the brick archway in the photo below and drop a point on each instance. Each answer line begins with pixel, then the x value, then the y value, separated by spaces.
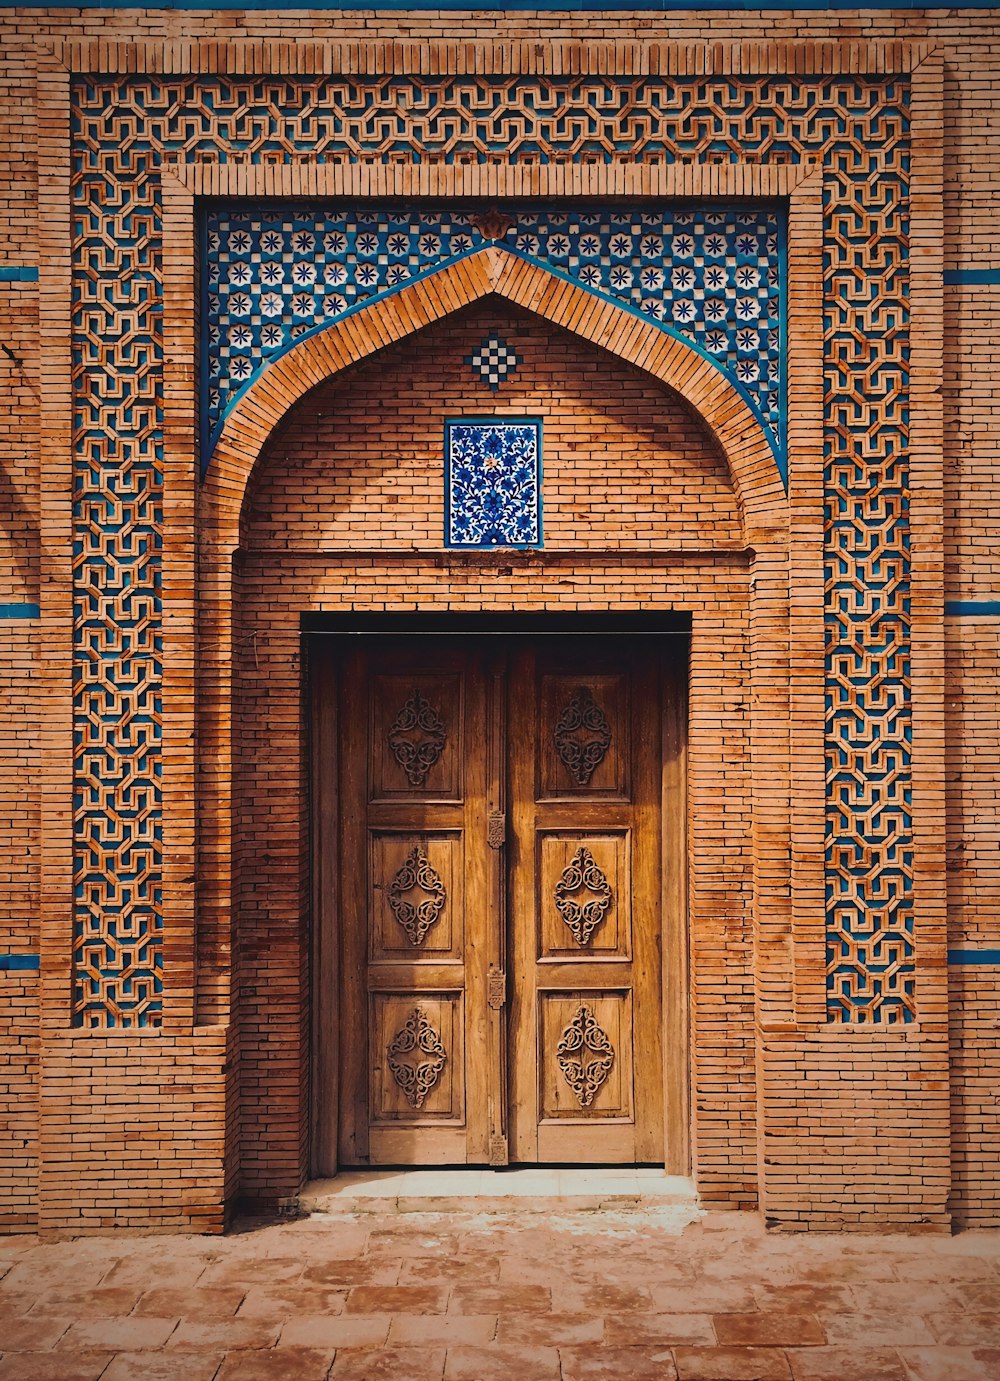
pixel 763 515
pixel 678 365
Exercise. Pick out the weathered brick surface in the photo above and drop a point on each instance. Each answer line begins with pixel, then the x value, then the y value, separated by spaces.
pixel 146 1130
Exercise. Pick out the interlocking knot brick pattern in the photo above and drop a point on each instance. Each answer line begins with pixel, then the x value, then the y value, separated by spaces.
pixel 855 127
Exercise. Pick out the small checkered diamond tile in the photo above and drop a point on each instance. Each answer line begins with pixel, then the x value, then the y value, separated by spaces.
pixel 493 470
pixel 493 361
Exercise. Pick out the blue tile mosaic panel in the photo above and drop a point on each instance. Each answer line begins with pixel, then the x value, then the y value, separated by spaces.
pixel 275 272
pixel 493 476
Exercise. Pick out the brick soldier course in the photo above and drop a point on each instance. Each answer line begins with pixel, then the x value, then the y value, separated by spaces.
pixel 206 443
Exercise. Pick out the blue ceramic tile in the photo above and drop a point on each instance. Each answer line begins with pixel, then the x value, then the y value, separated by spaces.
pixel 493 474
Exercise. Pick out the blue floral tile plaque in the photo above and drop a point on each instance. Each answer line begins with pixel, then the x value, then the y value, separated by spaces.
pixel 493 472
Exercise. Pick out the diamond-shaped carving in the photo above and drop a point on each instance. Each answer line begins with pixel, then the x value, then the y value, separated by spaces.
pixel 417 737
pixel 582 736
pixel 416 917
pixel 582 875
pixel 585 1056
pixel 418 1076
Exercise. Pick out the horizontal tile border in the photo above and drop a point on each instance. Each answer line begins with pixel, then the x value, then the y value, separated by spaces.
pixel 18 273
pixel 973 277
pixel 27 963
pixel 963 957
pixel 20 611
pixel 972 608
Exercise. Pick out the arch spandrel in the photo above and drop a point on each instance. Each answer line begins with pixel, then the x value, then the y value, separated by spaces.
pixel 679 366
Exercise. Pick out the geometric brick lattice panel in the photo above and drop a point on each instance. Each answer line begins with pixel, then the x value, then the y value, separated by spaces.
pixel 276 273
pixel 855 126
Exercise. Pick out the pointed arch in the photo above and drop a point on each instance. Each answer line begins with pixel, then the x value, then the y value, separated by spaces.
pixel 675 363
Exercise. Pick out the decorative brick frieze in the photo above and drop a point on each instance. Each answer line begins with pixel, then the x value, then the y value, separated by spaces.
pixel 862 146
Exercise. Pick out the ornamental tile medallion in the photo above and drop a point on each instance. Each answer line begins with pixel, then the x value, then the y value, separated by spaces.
pixel 493 476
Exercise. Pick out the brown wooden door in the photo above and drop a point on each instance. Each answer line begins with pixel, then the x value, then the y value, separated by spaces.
pixel 421 1049
pixel 499 887
pixel 585 787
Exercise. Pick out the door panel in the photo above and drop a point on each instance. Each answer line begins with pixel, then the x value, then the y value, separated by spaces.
pixel 416 904
pixel 586 1073
pixel 416 1087
pixel 584 896
pixel 499 863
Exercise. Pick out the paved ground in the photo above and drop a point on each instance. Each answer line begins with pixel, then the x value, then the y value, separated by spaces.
pixel 631 1294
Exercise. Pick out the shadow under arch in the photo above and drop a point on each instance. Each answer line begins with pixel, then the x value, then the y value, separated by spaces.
pixel 678 365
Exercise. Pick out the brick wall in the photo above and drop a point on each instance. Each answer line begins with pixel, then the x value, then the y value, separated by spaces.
pixel 626 466
pixel 725 1065
pixel 358 459
pixel 19 822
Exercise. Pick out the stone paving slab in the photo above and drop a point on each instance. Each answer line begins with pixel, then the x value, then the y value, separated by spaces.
pixel 652 1293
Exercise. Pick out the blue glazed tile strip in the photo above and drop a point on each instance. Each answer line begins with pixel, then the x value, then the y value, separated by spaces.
pixel 26 963
pixel 18 273
pixel 20 611
pixel 970 608
pixel 962 957
pixel 981 277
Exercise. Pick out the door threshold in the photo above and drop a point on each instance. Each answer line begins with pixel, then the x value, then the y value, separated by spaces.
pixel 528 1189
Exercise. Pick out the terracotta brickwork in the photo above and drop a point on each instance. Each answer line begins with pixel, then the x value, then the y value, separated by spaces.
pixel 19 1017
pixel 624 467
pixel 819 1126
pixel 357 465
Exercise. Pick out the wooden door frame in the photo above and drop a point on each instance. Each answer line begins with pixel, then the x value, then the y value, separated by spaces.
pixel 322 651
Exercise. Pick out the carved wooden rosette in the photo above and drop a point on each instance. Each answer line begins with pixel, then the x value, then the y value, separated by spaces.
pixel 583 1037
pixel 416 918
pixel 582 736
pixel 417 737
pixel 583 874
pixel 416 1079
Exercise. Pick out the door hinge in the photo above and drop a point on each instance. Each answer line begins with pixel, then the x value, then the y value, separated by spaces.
pixel 496 829
pixel 496 990
pixel 498 1149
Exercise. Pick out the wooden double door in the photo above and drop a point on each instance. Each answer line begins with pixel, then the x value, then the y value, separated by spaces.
pixel 499 820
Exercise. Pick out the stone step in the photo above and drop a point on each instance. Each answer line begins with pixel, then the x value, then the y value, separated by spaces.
pixel 530 1190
